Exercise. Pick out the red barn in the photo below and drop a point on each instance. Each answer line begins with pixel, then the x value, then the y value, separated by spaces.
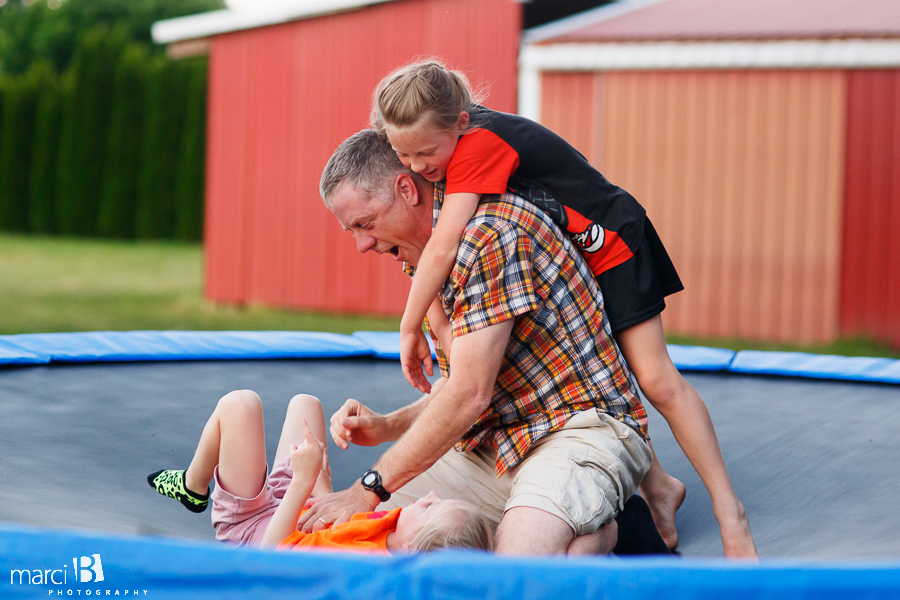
pixel 285 88
pixel 762 136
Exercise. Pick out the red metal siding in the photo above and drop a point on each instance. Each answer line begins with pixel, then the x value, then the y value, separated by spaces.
pixel 281 99
pixel 741 173
pixel 870 269
pixel 226 173
pixel 574 106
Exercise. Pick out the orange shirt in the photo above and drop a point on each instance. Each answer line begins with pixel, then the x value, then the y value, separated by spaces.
pixel 364 532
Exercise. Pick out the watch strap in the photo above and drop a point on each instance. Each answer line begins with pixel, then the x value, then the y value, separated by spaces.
pixel 371 480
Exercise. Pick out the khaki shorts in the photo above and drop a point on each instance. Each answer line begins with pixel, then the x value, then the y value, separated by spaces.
pixel 582 473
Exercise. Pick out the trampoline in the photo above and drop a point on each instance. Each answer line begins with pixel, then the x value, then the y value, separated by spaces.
pixel 814 462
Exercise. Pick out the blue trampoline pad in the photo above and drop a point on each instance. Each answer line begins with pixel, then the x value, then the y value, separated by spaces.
pixel 156 568
pixel 386 344
pixel 11 354
pixel 819 366
pixel 119 346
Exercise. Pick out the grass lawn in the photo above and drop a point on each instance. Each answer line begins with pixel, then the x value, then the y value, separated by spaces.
pixel 58 284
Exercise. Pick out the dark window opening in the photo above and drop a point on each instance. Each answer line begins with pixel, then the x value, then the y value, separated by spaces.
pixel 538 12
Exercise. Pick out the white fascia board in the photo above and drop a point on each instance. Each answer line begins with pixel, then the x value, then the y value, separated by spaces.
pixel 226 21
pixel 789 54
pixel 792 54
pixel 584 19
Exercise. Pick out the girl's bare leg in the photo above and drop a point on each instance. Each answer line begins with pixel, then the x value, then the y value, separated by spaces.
pixel 308 408
pixel 664 495
pixel 234 438
pixel 644 347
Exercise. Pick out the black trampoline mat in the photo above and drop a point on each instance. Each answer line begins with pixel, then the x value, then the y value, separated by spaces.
pixel 814 462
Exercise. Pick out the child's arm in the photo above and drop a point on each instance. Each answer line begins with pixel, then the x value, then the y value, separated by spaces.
pixel 440 325
pixel 306 462
pixel 432 271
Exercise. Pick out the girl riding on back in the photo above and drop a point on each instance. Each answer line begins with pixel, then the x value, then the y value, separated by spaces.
pixel 438 131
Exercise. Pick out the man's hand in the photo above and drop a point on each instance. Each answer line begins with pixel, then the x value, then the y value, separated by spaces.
pixel 337 508
pixel 354 423
pixel 414 351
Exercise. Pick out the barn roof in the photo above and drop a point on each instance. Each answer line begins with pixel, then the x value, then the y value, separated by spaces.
pixel 225 21
pixel 673 20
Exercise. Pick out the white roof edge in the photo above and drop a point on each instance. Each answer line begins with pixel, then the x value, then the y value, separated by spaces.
pixel 580 20
pixel 788 54
pixel 226 21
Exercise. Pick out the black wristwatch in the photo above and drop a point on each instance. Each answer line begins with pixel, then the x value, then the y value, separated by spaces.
pixel 371 480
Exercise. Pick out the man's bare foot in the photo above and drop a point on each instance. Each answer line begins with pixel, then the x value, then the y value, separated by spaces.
pixel 664 501
pixel 737 540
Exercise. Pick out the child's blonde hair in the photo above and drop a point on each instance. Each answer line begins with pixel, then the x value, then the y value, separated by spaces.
pixel 459 527
pixel 420 88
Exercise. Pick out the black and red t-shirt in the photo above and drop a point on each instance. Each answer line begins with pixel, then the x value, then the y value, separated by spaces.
pixel 505 152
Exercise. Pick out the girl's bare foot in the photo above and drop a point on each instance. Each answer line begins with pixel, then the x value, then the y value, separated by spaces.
pixel 737 540
pixel 664 502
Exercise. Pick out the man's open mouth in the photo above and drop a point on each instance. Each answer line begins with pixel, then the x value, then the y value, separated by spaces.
pixel 395 251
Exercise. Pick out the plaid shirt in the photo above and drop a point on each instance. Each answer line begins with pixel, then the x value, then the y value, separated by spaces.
pixel 514 263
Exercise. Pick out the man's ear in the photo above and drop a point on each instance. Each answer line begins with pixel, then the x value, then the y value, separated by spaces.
pixel 405 189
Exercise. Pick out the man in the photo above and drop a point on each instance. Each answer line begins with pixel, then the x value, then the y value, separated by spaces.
pixel 549 430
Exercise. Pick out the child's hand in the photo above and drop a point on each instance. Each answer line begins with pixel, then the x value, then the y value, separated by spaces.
pixel 306 458
pixel 414 351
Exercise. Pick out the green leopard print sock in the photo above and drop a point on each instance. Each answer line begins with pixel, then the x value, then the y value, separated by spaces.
pixel 170 482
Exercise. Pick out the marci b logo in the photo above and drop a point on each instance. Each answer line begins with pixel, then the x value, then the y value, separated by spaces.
pixel 91 569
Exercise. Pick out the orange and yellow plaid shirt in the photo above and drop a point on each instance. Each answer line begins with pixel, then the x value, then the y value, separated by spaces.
pixel 514 263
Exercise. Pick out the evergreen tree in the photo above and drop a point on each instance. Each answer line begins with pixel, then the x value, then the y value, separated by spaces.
pixel 42 180
pixel 117 141
pixel 189 188
pixel 118 197
pixel 5 83
pixel 161 145
pixel 20 105
pixel 84 130
pixel 51 29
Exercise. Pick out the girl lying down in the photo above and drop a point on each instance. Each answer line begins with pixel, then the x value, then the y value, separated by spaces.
pixel 252 507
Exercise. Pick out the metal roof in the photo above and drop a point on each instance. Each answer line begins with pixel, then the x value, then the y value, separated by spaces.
pixel 225 21
pixel 655 20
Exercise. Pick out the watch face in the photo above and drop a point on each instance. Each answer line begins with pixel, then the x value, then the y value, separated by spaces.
pixel 369 478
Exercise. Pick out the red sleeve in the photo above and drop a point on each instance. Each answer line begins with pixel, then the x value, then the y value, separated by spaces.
pixel 481 164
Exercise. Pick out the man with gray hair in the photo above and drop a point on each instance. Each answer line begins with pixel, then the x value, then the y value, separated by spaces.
pixel 536 418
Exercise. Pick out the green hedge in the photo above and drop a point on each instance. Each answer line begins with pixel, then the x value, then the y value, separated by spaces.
pixel 112 147
pixel 19 104
pixel 42 178
pixel 166 96
pixel 84 131
pixel 189 184
pixel 118 198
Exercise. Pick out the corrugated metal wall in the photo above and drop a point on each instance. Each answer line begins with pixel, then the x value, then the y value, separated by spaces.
pixel 281 99
pixel 742 175
pixel 870 273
